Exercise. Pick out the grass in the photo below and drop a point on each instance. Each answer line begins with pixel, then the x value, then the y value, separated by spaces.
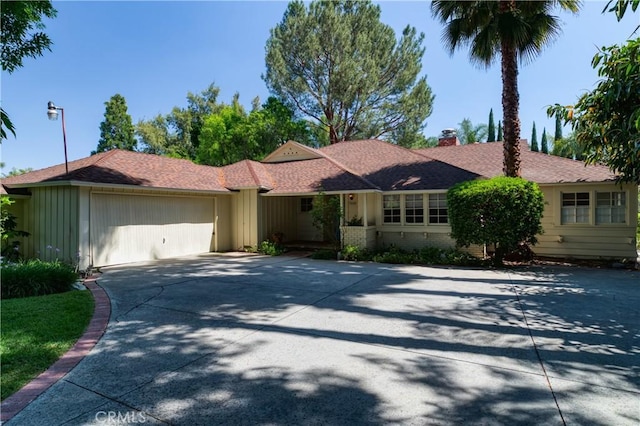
pixel 36 331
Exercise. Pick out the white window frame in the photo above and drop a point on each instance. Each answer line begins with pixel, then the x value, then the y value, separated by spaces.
pixel 573 210
pixel 438 198
pixel 611 207
pixel 391 203
pixel 416 207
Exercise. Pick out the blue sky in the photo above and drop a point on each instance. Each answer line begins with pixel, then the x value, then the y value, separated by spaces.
pixel 153 53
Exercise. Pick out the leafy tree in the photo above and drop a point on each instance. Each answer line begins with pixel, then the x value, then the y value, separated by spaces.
pixel 223 139
pixel 8 230
pixel 502 211
pixel 468 133
pixel 500 137
pixel 116 131
pixel 568 147
pixel 177 134
pixel 534 139
pixel 231 135
pixel 619 7
pixel 558 134
pixel 544 146
pixel 17 172
pixel 509 29
pixel 338 64
pixel 325 215
pixel 22 36
pixel 491 129
pixel 606 121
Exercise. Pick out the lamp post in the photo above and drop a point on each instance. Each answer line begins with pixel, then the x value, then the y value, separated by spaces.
pixel 52 113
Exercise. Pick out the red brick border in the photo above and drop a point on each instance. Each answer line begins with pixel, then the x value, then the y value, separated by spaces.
pixel 102 310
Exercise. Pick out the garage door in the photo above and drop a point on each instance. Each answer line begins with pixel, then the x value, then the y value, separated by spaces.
pixel 132 228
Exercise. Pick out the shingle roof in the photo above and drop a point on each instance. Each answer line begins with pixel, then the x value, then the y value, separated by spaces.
pixel 391 167
pixel 485 159
pixel 346 166
pixel 129 168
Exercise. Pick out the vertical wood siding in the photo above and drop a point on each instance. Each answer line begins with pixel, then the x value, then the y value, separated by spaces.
pixel 279 214
pixel 51 217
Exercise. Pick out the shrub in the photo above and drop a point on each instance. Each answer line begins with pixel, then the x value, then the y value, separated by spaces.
pixel 396 255
pixel 36 278
pixel 270 248
pixel 502 211
pixel 638 233
pixel 351 252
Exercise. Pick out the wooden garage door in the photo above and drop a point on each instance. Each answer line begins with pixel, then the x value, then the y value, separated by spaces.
pixel 132 228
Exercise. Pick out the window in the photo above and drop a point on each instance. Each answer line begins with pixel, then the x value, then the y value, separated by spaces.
pixel 414 210
pixel 438 211
pixel 306 204
pixel 391 208
pixel 611 207
pixel 575 207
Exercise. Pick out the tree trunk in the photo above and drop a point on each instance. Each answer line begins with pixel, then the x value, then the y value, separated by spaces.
pixel 510 102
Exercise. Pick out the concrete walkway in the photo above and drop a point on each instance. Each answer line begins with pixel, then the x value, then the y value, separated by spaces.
pixel 259 340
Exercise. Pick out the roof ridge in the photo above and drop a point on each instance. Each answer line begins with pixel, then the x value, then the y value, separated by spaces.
pixel 253 163
pixel 343 167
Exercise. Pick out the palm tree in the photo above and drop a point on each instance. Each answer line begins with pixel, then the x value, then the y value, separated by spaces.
pixel 468 133
pixel 513 30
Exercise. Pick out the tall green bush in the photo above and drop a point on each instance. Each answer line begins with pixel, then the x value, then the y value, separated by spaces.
pixel 36 278
pixel 503 211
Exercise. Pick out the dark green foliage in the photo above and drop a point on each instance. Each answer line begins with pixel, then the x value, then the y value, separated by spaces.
pixel 22 36
pixel 116 131
pixel 568 147
pixel 8 229
pixel 339 65
pixel 558 134
pixel 606 121
pixel 544 145
pixel 491 128
pixel 500 136
pixel 350 252
pixel 502 211
pixel 325 215
pixel 638 233
pixel 36 278
pixel 534 139
pixel 426 256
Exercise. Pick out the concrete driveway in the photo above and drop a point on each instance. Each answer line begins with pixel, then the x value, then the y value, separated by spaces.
pixel 256 340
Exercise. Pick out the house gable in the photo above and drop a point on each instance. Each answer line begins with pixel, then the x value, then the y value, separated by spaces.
pixel 292 151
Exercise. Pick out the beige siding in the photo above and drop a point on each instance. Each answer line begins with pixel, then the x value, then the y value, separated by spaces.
pixel 132 227
pixel 223 224
pixel 279 214
pixel 589 240
pixel 244 213
pixel 50 215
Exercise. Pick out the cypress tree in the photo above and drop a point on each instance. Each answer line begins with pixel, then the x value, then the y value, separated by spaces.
pixel 499 130
pixel 116 131
pixel 491 128
pixel 534 139
pixel 543 144
pixel 558 134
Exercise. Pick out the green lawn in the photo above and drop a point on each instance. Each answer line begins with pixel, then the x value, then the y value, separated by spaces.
pixel 36 331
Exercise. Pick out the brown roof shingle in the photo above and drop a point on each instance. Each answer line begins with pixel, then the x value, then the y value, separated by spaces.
pixel 485 159
pixel 122 167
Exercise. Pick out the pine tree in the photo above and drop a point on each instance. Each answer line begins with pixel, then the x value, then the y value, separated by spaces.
pixel 534 139
pixel 491 128
pixel 558 134
pixel 543 144
pixel 499 130
pixel 116 131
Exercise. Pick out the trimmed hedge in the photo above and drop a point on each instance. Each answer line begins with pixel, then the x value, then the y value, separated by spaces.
pixel 503 211
pixel 36 278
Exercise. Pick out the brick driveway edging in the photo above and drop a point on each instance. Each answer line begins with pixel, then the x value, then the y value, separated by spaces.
pixel 94 331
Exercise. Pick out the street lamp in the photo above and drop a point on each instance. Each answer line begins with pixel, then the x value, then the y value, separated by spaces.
pixel 52 113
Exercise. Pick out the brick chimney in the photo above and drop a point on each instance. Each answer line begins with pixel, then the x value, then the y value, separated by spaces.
pixel 448 138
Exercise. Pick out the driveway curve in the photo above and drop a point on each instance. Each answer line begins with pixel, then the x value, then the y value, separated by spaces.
pixel 255 340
